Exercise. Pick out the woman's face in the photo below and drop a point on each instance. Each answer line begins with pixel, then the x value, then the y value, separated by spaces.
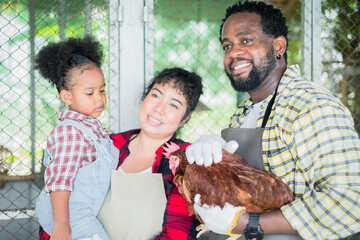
pixel 162 111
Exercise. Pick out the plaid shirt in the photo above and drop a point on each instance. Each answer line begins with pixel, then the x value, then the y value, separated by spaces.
pixel 70 150
pixel 311 144
pixel 177 223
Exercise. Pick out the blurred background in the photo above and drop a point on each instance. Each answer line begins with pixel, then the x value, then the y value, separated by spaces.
pixel 140 38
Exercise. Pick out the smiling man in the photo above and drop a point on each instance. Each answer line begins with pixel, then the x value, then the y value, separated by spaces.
pixel 289 126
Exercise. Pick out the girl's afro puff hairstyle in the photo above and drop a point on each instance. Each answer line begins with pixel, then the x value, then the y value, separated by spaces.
pixel 56 60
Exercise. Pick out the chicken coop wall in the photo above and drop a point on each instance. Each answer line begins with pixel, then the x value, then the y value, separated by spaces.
pixel 140 38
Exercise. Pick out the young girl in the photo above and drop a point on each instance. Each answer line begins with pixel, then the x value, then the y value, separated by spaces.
pixel 79 155
pixel 168 103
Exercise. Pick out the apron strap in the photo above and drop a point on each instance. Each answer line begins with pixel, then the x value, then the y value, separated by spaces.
pixel 268 109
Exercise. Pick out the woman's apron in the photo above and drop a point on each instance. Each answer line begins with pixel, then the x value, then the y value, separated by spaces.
pixel 134 206
pixel 250 148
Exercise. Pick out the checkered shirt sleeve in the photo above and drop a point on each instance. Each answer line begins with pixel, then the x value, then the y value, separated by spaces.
pixel 69 151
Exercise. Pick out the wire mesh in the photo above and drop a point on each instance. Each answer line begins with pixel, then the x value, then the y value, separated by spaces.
pixel 186 34
pixel 29 104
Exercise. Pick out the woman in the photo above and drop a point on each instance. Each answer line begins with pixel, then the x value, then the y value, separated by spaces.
pixel 168 103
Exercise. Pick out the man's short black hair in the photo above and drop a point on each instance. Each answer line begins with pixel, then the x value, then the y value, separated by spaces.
pixel 273 22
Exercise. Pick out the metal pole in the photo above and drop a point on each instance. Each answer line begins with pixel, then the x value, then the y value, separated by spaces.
pixel 32 82
pixel 88 17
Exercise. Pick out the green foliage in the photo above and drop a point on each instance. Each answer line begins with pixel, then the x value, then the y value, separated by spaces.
pixel 47 6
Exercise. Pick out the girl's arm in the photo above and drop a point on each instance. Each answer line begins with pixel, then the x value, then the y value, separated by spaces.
pixel 60 207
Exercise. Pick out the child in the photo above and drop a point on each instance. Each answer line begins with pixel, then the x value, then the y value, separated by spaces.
pixel 79 156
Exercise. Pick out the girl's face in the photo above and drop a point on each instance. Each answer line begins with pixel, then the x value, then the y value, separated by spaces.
pixel 87 96
pixel 162 111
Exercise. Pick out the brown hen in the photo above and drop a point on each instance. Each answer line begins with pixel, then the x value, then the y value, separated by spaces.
pixel 232 180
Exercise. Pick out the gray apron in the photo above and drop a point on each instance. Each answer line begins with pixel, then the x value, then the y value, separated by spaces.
pixel 250 148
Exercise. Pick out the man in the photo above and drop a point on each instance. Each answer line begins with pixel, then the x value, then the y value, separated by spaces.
pixel 289 126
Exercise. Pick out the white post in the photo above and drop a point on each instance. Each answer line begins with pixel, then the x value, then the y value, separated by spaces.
pixel 312 65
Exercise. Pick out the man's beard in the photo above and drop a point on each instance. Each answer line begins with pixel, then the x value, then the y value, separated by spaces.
pixel 257 75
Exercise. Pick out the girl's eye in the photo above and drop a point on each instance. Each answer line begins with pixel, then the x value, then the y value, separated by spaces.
pixel 155 95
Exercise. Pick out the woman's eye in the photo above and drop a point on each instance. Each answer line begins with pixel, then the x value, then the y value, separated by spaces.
pixel 155 95
pixel 89 94
pixel 173 105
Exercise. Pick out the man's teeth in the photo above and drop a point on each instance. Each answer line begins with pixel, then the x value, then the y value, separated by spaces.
pixel 154 120
pixel 241 65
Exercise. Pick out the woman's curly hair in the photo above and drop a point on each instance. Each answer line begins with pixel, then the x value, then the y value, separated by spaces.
pixel 273 22
pixel 57 60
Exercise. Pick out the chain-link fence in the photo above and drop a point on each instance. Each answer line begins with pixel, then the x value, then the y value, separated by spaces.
pixel 185 34
pixel 28 103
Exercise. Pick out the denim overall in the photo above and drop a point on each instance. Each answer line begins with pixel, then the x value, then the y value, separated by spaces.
pixel 90 187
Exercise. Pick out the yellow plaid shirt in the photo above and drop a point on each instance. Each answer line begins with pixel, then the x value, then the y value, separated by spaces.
pixel 310 142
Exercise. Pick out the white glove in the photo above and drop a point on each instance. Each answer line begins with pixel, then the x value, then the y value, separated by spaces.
pixel 216 219
pixel 208 149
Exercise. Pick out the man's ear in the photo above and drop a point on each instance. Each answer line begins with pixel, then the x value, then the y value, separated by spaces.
pixel 185 119
pixel 66 97
pixel 280 45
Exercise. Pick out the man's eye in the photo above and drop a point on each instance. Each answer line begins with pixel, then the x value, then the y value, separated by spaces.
pixel 226 47
pixel 247 40
pixel 89 94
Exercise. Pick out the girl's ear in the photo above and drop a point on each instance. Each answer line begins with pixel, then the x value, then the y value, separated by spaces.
pixel 185 119
pixel 66 97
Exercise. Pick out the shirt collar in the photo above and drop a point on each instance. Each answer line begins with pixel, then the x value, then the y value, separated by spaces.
pixel 73 115
pixel 290 73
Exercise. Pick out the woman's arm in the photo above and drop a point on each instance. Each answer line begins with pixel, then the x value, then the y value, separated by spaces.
pixel 178 224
